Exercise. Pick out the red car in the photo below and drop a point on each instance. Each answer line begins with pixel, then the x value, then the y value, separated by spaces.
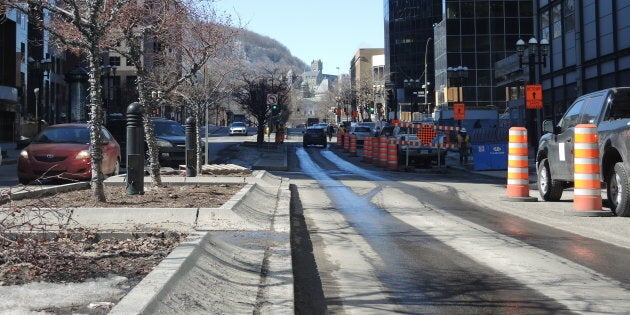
pixel 63 152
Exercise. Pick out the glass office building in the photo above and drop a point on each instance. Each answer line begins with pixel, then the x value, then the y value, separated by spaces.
pixel 589 49
pixel 408 35
pixel 472 36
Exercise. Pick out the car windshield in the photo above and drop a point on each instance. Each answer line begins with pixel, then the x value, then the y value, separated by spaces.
pixel 238 124
pixel 64 135
pixel 362 129
pixel 168 128
pixel 315 130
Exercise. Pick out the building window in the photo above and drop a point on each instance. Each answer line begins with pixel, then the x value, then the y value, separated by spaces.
pixel 569 15
pixel 557 20
pixel 544 24
pixel 114 61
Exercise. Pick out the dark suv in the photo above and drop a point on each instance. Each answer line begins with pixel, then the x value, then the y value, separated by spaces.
pixel 314 135
pixel 169 135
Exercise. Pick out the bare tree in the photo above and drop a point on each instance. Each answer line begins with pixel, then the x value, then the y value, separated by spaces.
pixel 81 26
pixel 184 36
pixel 205 93
pixel 252 93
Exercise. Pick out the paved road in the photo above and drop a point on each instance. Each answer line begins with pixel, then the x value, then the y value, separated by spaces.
pixel 438 242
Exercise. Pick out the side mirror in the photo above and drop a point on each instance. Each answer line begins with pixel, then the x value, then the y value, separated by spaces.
pixel 547 126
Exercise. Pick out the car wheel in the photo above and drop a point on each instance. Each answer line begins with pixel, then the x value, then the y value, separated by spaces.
pixel 304 144
pixel 549 189
pixel 24 181
pixel 618 190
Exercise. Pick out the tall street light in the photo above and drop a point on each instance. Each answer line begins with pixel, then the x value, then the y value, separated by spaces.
pixel 535 57
pixel 43 67
pixel 426 76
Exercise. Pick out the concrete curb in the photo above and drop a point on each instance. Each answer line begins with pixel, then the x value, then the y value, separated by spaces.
pixel 145 293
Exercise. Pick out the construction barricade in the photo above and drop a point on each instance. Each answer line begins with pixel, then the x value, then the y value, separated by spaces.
pixel 353 145
pixel 587 192
pixel 392 154
pixel 382 149
pixel 518 168
pixel 346 142
pixel 367 149
pixel 376 153
pixel 339 139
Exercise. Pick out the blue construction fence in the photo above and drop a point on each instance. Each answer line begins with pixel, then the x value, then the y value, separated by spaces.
pixel 489 138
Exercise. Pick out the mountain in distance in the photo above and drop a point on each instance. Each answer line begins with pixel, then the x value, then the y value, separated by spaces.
pixel 262 49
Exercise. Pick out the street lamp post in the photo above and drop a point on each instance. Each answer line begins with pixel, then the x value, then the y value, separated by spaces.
pixel 157 97
pixel 43 66
pixel 535 57
pixel 426 76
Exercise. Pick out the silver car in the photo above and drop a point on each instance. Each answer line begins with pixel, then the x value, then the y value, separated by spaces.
pixel 238 128
pixel 361 132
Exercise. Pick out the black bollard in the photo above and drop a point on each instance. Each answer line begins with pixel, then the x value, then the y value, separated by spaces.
pixel 191 147
pixel 135 150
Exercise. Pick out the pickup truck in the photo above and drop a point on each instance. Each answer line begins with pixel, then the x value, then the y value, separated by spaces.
pixel 422 154
pixel 609 110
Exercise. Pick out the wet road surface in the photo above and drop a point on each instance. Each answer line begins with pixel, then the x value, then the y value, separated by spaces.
pixel 402 243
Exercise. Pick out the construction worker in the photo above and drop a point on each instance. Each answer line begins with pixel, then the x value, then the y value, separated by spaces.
pixel 463 144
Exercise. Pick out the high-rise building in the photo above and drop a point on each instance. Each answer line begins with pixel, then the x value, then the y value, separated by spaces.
pixel 471 38
pixel 408 48
pixel 589 49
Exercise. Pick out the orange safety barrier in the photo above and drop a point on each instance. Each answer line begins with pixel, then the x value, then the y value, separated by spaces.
pixel 376 153
pixel 367 149
pixel 339 139
pixel 382 146
pixel 392 155
pixel 518 169
pixel 346 142
pixel 353 145
pixel 587 192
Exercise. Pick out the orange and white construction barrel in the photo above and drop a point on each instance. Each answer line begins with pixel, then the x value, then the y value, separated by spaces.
pixel 518 168
pixel 392 154
pixel 382 147
pixel 587 192
pixel 346 142
pixel 367 149
pixel 353 145
pixel 339 138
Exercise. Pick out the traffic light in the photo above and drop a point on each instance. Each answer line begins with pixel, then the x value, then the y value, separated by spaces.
pixel 275 109
pixel 371 108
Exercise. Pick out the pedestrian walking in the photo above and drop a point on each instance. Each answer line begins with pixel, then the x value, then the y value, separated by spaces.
pixel 463 143
pixel 329 131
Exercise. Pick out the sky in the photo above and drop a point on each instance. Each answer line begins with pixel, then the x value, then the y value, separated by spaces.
pixel 330 30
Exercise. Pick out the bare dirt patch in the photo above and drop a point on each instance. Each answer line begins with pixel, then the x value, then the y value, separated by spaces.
pixel 172 196
pixel 73 256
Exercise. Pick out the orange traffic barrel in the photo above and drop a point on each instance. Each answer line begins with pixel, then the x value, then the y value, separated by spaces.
pixel 392 154
pixel 367 149
pixel 353 145
pixel 587 192
pixel 339 138
pixel 518 168
pixel 346 142
pixel 382 146
pixel 376 153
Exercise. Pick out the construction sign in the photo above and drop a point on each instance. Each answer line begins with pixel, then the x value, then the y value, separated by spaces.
pixel 459 111
pixel 533 96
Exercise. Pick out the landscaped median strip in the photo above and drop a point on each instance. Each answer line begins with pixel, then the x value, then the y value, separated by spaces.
pixel 237 258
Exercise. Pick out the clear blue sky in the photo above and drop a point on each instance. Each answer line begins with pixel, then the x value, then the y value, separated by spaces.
pixel 330 30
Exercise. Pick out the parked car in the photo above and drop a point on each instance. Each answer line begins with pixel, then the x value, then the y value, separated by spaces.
pixel 314 135
pixel 609 111
pixel 63 152
pixel 238 128
pixel 361 132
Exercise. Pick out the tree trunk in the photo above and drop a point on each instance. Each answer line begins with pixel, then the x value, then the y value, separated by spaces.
pixel 149 135
pixel 96 124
